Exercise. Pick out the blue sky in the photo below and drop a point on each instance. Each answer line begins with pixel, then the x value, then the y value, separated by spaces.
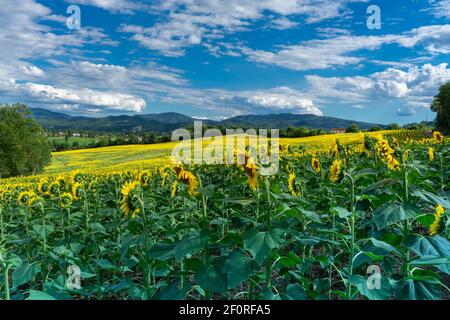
pixel 217 59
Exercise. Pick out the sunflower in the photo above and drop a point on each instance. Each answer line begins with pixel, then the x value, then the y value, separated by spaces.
pixel 406 155
pixel 76 176
pixel 334 150
pixel 315 164
pixel 77 190
pixel 188 178
pixel 63 184
pixel 53 189
pixel 174 189
pixel 144 178
pixel 335 170
pixel 127 204
pixel 392 163
pixel 292 186
pixel 65 200
pixel 438 137
pixel 25 198
pixel 431 154
pixel 43 186
pixel 436 225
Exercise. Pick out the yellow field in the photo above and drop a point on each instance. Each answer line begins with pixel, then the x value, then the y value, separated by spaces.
pixel 130 157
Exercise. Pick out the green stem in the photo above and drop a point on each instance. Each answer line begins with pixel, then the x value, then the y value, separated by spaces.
pixel 352 233
pixel 8 296
pixel 269 205
pixel 146 248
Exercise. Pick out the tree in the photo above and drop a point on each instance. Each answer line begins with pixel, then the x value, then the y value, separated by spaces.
pixel 393 126
pixel 24 148
pixel 353 128
pixel 441 105
pixel 375 128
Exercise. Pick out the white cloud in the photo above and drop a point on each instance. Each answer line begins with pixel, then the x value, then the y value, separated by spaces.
pixel 440 8
pixel 63 96
pixel 32 71
pixel 122 6
pixel 414 88
pixel 192 22
pixel 281 99
pixel 341 50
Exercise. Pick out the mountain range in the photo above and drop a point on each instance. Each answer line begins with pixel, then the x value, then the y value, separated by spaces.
pixel 166 122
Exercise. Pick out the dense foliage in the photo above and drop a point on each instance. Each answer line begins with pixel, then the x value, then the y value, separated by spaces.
pixel 320 229
pixel 441 105
pixel 24 148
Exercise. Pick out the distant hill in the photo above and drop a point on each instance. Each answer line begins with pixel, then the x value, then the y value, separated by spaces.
pixel 166 122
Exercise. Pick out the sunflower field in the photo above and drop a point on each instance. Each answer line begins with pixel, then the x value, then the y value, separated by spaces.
pixel 368 219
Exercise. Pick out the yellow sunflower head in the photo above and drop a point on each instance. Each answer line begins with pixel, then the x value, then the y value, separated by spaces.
pixel 295 191
pixel 431 154
pixel 392 163
pixel 144 178
pixel 77 190
pixel 187 178
pixel 129 190
pixel 43 186
pixel 315 164
pixel 25 198
pixel 436 225
pixel 54 189
pixel 438 136
pixel 335 171
pixel 174 189
pixel 65 200
pixel 76 176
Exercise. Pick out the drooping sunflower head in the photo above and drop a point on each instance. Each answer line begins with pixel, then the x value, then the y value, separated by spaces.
pixel 251 169
pixel 438 136
pixel 25 197
pixel 54 189
pixel 77 190
pixel 174 189
pixel 436 225
pixel 295 191
pixel 65 200
pixel 63 184
pixel 128 203
pixel 43 186
pixel 144 178
pixel 431 154
pixel 76 176
pixel 315 164
pixel 335 171
pixel 392 163
pixel 187 178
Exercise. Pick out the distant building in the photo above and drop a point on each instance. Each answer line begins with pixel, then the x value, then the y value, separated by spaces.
pixel 76 135
pixel 337 130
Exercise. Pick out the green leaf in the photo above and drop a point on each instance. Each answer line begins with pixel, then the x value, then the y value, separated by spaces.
pixel 372 288
pixel 191 245
pixel 261 243
pixel 40 295
pixel 417 290
pixel 296 292
pixel 432 198
pixel 43 231
pixel 24 274
pixel 162 251
pixel 341 212
pixel 239 268
pixel 384 245
pixel 213 276
pixel 391 213
pixel 430 247
pixel 173 291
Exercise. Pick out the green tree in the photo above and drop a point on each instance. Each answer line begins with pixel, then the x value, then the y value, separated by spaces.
pixel 393 126
pixel 24 148
pixel 353 128
pixel 441 105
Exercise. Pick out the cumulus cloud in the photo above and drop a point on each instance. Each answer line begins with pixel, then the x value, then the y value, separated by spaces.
pixel 63 96
pixel 341 50
pixel 440 8
pixel 281 99
pixel 414 88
